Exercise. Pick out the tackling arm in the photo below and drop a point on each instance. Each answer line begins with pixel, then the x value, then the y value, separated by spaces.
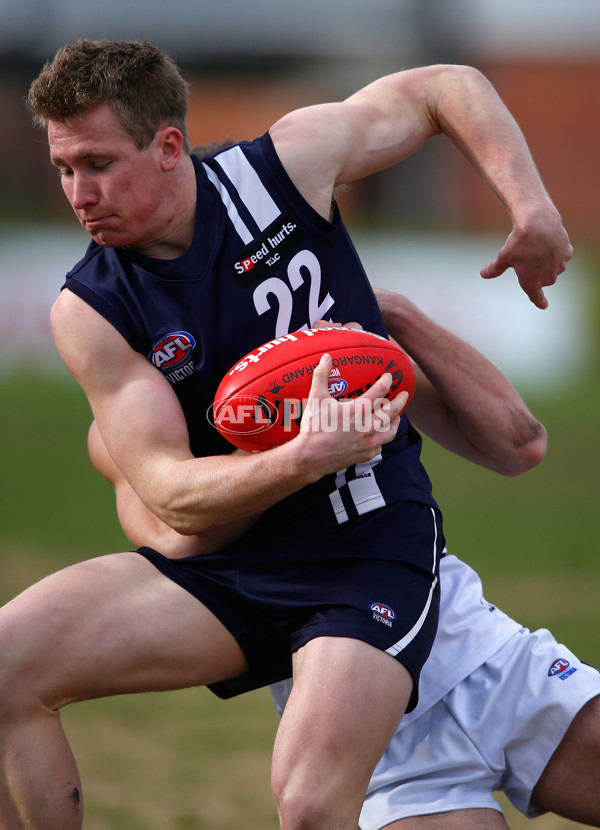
pixel 462 400
pixel 465 404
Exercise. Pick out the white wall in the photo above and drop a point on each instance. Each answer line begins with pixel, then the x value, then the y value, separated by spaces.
pixel 535 348
pixel 440 274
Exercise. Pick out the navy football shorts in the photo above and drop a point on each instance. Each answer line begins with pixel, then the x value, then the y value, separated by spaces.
pixel 374 578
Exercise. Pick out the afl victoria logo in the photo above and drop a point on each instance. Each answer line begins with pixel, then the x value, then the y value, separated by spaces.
pixel 558 667
pixel 172 350
pixel 383 610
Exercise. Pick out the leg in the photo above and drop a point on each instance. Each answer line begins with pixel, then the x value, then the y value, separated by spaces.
pixel 108 626
pixel 570 784
pixel 347 700
pixel 474 819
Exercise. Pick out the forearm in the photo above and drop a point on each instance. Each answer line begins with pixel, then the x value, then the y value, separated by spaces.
pixel 467 109
pixel 471 113
pixel 200 494
pixel 203 495
pixel 464 402
pixel 143 528
pixel 402 111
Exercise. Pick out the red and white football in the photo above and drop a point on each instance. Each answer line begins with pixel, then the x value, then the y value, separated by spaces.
pixel 259 402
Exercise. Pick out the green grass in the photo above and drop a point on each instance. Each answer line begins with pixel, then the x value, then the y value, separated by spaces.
pixel 53 503
pixel 187 761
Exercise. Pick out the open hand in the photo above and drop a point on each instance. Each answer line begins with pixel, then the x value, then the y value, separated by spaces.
pixel 338 433
pixel 538 254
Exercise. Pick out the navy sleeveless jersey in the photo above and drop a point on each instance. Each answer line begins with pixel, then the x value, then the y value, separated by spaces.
pixel 262 263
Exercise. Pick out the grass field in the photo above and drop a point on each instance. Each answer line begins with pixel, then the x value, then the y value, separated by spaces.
pixel 186 761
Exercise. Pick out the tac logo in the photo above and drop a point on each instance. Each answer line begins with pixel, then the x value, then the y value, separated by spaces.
pixel 561 668
pixel 337 387
pixel 382 610
pixel 172 350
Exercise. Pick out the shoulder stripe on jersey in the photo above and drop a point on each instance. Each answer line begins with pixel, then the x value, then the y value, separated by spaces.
pixel 231 209
pixel 247 182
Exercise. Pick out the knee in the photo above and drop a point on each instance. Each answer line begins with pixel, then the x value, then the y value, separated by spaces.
pixel 21 667
pixel 308 798
pixel 12 665
pixel 301 807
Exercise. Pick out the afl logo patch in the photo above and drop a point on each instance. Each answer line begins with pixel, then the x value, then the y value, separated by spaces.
pixel 172 350
pixel 558 667
pixel 383 610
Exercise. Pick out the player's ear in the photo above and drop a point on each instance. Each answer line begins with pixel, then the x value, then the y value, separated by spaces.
pixel 170 144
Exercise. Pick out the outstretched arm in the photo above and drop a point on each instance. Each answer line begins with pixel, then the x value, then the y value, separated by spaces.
pixel 462 400
pixel 384 123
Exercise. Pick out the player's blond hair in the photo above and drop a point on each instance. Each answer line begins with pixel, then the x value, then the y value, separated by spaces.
pixel 140 81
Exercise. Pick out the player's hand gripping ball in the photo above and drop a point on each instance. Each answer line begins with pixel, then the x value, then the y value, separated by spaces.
pixel 259 402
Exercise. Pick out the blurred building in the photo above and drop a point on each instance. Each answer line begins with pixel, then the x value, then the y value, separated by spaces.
pixel 250 63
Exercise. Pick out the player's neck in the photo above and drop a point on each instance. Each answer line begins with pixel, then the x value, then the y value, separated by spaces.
pixel 176 224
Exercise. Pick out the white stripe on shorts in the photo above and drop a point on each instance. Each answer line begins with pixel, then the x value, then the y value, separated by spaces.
pixel 397 647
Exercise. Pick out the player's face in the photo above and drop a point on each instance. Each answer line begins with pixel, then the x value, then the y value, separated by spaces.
pixel 114 187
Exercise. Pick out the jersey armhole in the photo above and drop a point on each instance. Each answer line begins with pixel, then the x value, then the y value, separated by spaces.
pixel 109 312
pixel 299 202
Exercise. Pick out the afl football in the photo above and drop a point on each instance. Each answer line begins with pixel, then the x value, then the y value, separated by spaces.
pixel 259 402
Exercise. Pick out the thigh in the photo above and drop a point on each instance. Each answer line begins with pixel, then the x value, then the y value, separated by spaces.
pixel 345 705
pixel 569 784
pixel 108 626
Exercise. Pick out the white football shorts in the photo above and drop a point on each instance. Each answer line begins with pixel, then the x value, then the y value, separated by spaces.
pixel 494 731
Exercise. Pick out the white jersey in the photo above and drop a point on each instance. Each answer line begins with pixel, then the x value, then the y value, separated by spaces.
pixel 470 630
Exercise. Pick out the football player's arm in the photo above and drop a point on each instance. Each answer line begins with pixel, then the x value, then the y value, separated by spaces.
pixel 328 145
pixel 145 431
pixel 144 528
pixel 462 400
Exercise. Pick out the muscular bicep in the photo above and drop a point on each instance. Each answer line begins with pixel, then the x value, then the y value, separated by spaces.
pixel 136 410
pixel 332 144
pixel 389 120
